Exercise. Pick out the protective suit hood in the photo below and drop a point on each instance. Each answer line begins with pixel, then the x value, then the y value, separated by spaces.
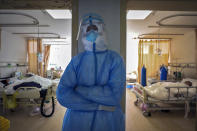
pixel 99 27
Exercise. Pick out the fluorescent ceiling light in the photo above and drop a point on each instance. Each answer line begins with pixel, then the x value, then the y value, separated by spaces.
pixel 60 14
pixel 138 14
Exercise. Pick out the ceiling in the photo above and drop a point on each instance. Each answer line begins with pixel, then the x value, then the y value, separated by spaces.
pixel 63 27
pixel 131 4
pixel 56 26
pixel 163 5
pixel 138 27
pixel 35 4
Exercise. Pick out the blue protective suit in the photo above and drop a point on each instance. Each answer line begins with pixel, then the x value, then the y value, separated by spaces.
pixel 83 98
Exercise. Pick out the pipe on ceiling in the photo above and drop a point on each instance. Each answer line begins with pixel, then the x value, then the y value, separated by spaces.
pixel 56 44
pixel 45 37
pixel 158 34
pixel 40 33
pixel 153 38
pixel 55 41
pixel 22 25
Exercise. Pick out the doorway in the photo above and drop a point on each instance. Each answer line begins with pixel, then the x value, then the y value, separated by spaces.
pixel 153 46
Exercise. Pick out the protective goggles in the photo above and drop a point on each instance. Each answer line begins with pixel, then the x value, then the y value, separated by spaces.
pixel 90 22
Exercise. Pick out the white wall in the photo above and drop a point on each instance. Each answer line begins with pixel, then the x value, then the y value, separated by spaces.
pixel 60 55
pixel 183 50
pixel 13 49
pixel 132 47
pixel 132 53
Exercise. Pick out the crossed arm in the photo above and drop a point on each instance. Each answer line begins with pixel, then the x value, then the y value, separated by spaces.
pixel 77 97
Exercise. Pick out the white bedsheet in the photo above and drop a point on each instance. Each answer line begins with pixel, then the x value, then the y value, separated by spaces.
pixel 44 82
pixel 159 91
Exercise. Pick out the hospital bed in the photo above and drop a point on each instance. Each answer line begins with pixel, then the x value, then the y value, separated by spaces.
pixel 25 94
pixel 175 98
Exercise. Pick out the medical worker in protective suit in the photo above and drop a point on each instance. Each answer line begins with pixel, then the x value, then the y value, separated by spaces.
pixel 92 84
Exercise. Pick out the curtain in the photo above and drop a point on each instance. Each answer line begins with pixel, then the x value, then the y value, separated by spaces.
pixel 32 56
pixel 152 54
pixel 46 57
pixel 34 51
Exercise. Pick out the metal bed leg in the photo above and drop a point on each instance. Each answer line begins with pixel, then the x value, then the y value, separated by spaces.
pixel 136 102
pixel 187 109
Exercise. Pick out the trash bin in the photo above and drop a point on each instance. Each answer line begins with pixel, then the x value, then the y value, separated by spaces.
pixel 4 124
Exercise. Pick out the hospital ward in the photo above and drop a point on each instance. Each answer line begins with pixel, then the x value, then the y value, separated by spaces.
pixel 97 65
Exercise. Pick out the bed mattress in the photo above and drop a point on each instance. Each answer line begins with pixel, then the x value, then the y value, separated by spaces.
pixel 159 91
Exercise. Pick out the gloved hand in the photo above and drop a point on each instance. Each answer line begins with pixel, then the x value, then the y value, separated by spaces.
pixel 102 95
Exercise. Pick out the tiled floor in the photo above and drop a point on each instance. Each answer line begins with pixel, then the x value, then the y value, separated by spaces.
pixel 159 121
pixel 135 121
pixel 22 121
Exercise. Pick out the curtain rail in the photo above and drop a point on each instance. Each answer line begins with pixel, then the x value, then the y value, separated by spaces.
pixel 162 25
pixel 34 23
pixel 40 33
pixel 153 38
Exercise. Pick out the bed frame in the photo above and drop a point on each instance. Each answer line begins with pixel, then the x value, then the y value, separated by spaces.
pixel 30 96
pixel 149 104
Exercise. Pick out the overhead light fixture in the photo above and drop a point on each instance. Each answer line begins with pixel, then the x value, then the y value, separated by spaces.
pixel 138 14
pixel 60 14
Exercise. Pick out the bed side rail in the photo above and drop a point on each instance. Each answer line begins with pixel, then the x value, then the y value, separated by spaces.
pixel 180 95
